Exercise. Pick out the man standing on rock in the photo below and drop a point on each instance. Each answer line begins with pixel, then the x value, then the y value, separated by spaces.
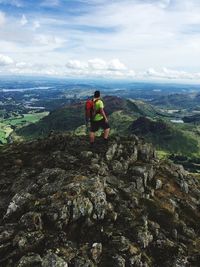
pixel 94 112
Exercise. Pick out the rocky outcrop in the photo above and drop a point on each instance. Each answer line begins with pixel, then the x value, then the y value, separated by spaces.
pixel 65 204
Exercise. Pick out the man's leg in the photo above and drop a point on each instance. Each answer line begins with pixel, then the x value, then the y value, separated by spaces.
pixel 92 137
pixel 106 133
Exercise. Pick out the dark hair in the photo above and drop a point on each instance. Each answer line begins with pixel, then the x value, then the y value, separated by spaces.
pixel 97 94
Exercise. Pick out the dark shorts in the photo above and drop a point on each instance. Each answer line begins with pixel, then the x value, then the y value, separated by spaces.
pixel 96 125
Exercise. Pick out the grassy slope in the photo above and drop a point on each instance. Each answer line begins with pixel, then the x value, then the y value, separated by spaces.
pixel 25 118
pixel 178 138
pixel 5 131
pixel 144 109
pixel 65 119
pixel 120 122
pixel 69 118
pixel 168 137
pixel 174 101
pixel 6 126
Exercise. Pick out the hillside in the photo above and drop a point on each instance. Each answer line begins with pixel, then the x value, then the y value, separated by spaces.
pixel 184 100
pixel 144 109
pixel 195 119
pixel 165 136
pixel 63 204
pixel 125 117
pixel 9 125
pixel 72 116
pixel 63 119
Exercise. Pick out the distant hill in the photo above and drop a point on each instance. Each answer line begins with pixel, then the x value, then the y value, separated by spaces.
pixel 192 119
pixel 190 100
pixel 164 136
pixel 144 109
pixel 125 117
pixel 63 119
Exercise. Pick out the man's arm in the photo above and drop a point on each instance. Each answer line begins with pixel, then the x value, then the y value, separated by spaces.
pixel 102 112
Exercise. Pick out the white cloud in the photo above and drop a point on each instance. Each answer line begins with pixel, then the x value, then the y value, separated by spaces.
pixel 97 64
pixel 166 73
pixel 36 69
pixel 49 40
pixel 76 68
pixel 5 60
pixel 36 25
pixel 76 64
pixel 23 20
pixel 100 64
pixel 2 18
pixel 23 65
pixel 99 67
pixel 143 32
pixel 138 33
pixel 115 64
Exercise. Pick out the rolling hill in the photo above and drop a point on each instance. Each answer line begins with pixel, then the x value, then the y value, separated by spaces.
pixel 165 136
pixel 125 117
pixel 186 100
pixel 72 116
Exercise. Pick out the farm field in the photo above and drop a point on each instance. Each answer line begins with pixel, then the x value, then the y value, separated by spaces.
pixel 8 125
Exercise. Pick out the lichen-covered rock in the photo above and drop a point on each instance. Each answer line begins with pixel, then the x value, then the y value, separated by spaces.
pixel 26 241
pixel 158 184
pixel 119 261
pixel 115 205
pixel 146 153
pixel 30 260
pixel 81 207
pixel 86 154
pixel 100 204
pixel 117 167
pixel 6 234
pixel 83 262
pixel 136 261
pixel 31 221
pixel 111 152
pixel 96 252
pixel 144 237
pixel 51 259
pixel 17 204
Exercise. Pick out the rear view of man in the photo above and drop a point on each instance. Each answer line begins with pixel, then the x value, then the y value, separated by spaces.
pixel 98 119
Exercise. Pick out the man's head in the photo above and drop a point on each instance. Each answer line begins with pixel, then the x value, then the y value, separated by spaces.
pixel 97 94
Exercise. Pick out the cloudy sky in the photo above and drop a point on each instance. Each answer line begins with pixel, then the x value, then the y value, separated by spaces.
pixel 135 39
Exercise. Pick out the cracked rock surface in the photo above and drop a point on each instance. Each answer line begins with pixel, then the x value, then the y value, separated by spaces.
pixel 63 204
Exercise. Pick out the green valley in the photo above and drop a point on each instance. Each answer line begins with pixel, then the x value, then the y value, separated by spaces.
pixel 165 115
pixel 8 126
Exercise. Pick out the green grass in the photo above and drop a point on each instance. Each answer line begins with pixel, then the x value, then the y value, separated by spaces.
pixel 25 119
pixel 175 141
pixel 120 122
pixel 193 132
pixel 7 125
pixel 161 154
pixel 61 120
pixel 171 138
pixel 5 131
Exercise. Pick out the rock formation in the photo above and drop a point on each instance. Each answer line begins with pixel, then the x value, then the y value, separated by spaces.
pixel 63 204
